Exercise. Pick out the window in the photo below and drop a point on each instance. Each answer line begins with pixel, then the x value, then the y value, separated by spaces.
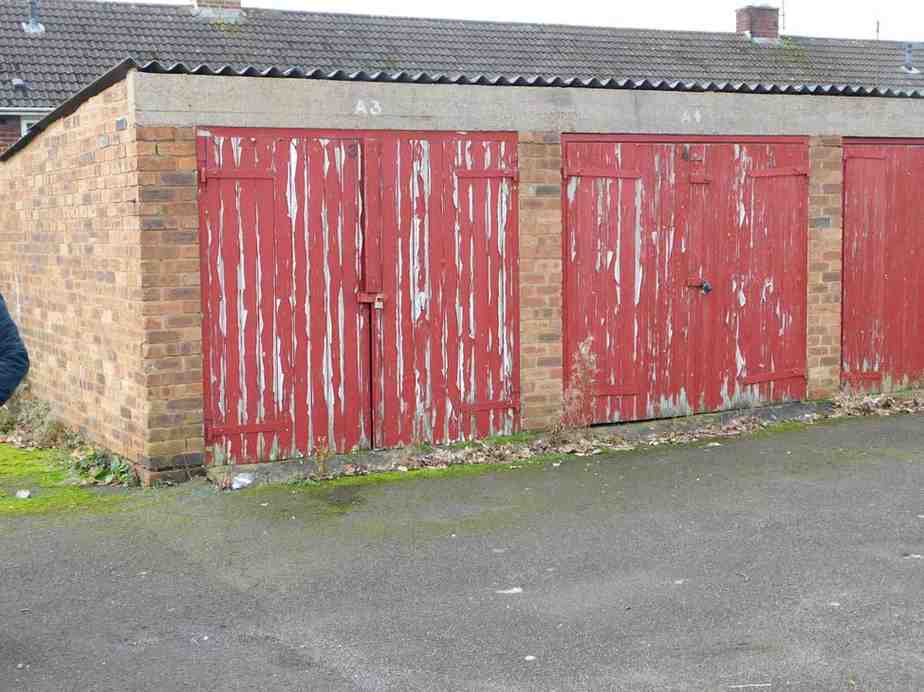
pixel 27 123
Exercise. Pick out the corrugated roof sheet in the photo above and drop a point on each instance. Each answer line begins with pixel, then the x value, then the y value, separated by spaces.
pixel 85 39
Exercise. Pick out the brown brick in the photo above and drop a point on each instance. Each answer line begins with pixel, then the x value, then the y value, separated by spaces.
pixel 540 278
pixel 824 279
pixel 72 285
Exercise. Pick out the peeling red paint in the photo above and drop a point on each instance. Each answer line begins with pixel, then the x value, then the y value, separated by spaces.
pixel 651 225
pixel 360 289
pixel 883 323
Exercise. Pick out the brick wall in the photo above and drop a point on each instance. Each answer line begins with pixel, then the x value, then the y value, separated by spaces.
pixel 69 267
pixel 10 129
pixel 540 278
pixel 172 308
pixel 99 259
pixel 826 194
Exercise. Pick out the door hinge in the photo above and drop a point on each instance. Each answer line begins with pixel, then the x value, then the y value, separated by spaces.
pixel 265 427
pixel 485 173
pixel 774 376
pixel 601 172
pixel 784 172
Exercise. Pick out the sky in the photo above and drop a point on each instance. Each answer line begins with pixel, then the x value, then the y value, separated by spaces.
pixel 899 19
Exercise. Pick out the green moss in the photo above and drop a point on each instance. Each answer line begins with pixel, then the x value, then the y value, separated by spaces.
pixel 58 500
pixel 340 496
pixel 22 465
pixel 45 476
pixel 230 28
pixel 383 477
pixel 788 426
pixel 795 54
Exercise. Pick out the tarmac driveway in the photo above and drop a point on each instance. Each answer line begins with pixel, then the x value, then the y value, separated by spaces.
pixel 783 561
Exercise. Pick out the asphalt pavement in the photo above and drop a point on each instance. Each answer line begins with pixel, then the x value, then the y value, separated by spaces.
pixel 789 561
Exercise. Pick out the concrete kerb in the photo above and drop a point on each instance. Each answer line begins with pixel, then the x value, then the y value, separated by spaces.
pixel 775 413
pixel 310 468
pixel 362 463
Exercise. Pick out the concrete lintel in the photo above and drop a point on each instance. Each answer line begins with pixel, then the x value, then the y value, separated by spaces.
pixel 191 100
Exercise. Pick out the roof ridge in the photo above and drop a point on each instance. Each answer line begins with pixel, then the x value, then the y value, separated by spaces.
pixel 467 21
pixel 85 38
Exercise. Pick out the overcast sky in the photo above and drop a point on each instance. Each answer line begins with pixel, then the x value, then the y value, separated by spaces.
pixel 899 19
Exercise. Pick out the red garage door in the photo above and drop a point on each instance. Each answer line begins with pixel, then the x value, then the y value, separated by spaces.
pixel 685 270
pixel 360 289
pixel 883 327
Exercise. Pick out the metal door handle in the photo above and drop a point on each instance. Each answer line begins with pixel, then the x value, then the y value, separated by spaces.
pixel 701 284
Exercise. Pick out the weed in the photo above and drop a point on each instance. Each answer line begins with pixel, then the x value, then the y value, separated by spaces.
pixel 28 422
pixel 322 455
pixel 99 467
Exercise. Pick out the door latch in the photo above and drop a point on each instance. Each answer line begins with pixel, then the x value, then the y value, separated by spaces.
pixel 702 284
pixel 376 299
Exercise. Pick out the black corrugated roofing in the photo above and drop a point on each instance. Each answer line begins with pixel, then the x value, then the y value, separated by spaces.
pixel 84 39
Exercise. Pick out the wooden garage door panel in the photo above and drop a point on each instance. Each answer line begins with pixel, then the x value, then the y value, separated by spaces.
pixel 450 260
pixel 647 222
pixel 360 289
pixel 883 327
pixel 285 341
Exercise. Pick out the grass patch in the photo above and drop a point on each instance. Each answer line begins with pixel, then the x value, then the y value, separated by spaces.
pixel 47 478
pixel 57 500
pixel 787 426
pixel 18 465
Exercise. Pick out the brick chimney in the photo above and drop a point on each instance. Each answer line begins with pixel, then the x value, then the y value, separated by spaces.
pixel 759 21
pixel 232 5
pixel 222 11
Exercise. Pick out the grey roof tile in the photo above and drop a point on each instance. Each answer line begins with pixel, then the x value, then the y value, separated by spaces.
pixel 84 39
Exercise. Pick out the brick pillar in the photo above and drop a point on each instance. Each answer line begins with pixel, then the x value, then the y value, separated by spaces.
pixel 825 253
pixel 172 310
pixel 540 278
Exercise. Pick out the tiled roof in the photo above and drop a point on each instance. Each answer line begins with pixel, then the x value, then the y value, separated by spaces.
pixel 84 39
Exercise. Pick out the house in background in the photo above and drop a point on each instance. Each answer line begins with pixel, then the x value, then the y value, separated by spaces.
pixel 15 122
pixel 246 235
pixel 20 109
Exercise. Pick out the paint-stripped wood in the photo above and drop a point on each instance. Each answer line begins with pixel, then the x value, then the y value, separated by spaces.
pixel 883 285
pixel 360 289
pixel 638 252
